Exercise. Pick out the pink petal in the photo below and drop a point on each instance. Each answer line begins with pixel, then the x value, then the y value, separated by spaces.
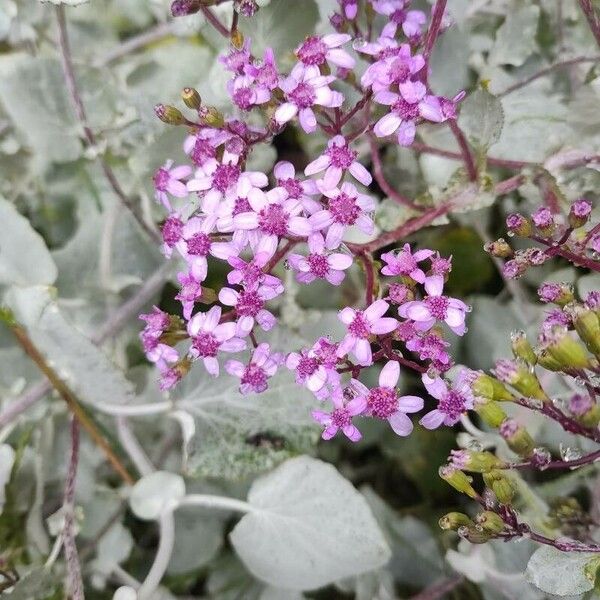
pixel 401 424
pixel 389 375
pixel 317 165
pixel 286 112
pixel 410 404
pixel 433 419
pixel 435 386
pixel 362 351
pixel 360 173
pixel 387 125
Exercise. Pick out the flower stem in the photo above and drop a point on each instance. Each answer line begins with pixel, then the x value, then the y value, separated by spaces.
pixel 437 14
pixel 592 17
pixel 464 149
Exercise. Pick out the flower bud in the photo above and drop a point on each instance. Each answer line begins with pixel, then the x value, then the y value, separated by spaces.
pixel 191 98
pixel 181 8
pixel 584 409
pixel 212 117
pixel 579 213
pixel 564 349
pixel 521 347
pixel 499 248
pixel 458 480
pixel 587 325
pixel 471 460
pixel 454 520
pixel 474 535
pixel 518 225
pixel 543 219
pixel 557 293
pixel 517 438
pixel 518 375
pixel 491 412
pixel 237 39
pixel 501 485
pixel 490 522
pixel 489 388
pixel 169 114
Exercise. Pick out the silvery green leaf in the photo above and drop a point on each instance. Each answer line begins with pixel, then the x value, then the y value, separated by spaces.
pixel 273 593
pixel 155 493
pixel 560 573
pixel 310 528
pixel 515 39
pixel 83 366
pixel 65 2
pixel 481 118
pixel 114 548
pixel 450 62
pixel 34 585
pixel 24 258
pixel 7 460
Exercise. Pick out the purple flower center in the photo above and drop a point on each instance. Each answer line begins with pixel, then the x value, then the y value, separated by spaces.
pixel 404 263
pixel 303 95
pixel 438 306
pixel 398 16
pixel 272 219
pixel 199 244
pixel 206 345
pixel 452 404
pixel 241 205
pixel 161 179
pixel 359 327
pixel 225 176
pixel 382 402
pixel 249 304
pixel 341 418
pixel 307 365
pixel 292 186
pixel 341 156
pixel 202 151
pixel 252 274
pixel 344 209
pixel 313 51
pixel 172 230
pixel 255 377
pixel 405 110
pixel 399 71
pixel 319 266
pixel 267 76
pixel 327 353
pixel 243 97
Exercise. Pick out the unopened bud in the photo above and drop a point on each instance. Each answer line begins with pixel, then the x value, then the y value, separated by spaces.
pixel 521 347
pixel 517 438
pixel 557 293
pixel 584 409
pixel 458 480
pixel 182 8
pixel 501 486
pixel 212 117
pixel 191 98
pixel 474 535
pixel 490 522
pixel 579 213
pixel 454 520
pixel 208 296
pixel 587 325
pixel 491 412
pixel 518 375
pixel 237 39
pixel 567 351
pixel 489 388
pixel 499 248
pixel 518 225
pixel 471 460
pixel 169 114
pixel 543 219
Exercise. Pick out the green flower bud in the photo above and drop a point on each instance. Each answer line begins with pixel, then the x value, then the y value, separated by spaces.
pixel 471 460
pixel 517 438
pixel 458 480
pixel 490 522
pixel 169 114
pixel 587 325
pixel 518 374
pixel 454 520
pixel 502 486
pixel 474 535
pixel 212 117
pixel 490 388
pixel 491 412
pixel 568 352
pixel 191 98
pixel 521 347
pixel 499 248
pixel 237 39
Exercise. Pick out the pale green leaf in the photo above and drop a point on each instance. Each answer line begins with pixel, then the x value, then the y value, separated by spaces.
pixel 155 493
pixel 481 118
pixel 515 40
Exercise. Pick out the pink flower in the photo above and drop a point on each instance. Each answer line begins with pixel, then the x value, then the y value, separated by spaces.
pixel 405 263
pixel 431 347
pixel 171 230
pixel 395 65
pixel 316 50
pixel 361 325
pixel 190 291
pixel 436 307
pixel 316 366
pixel 341 417
pixel 238 59
pixel 202 146
pixel 383 401
pixel 305 88
pixel 167 180
pixel 337 158
pixel 251 273
pixel 245 93
pixel 209 338
pixel 345 207
pixel 296 189
pixel 265 73
pixel 452 401
pixel 249 305
pixel 255 374
pixel 320 264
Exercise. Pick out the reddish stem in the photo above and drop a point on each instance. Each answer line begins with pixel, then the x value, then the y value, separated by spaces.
pixel 214 21
pixel 560 464
pixel 437 14
pixel 464 149
pixel 592 18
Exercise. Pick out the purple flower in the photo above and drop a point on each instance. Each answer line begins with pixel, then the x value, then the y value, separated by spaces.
pixel 436 307
pixel 543 218
pixel 316 366
pixel 305 88
pixel 549 291
pixel 581 208
pixel 405 263
pixel 337 158
pixel 238 59
pixel 341 417
pixel 246 93
pixel 361 325
pixel 156 322
pixel 431 347
pixel 320 264
pixel 453 401
pixel 316 50
pixel 249 306
pixel 251 273
pixel 209 338
pixel 395 66
pixel 345 207
pixel 265 73
pixel 296 189
pixel 383 402
pixel 171 230
pixel 202 146
pixel 167 180
pixel 594 243
pixel 256 373
pixel 190 291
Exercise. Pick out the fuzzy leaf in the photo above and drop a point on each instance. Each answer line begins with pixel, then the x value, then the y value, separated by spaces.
pixel 482 117
pixel 154 493
pixel 515 40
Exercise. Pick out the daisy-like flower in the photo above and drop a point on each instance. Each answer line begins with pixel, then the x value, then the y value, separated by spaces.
pixel 305 88
pixel 245 93
pixel 255 375
pixel 320 264
pixel 436 307
pixel 341 417
pixel 361 326
pixel 453 401
pixel 316 51
pixel 209 338
pixel 189 292
pixel 345 207
pixel 289 186
pixel 167 180
pixel 249 305
pixel 202 146
pixel 383 401
pixel 171 230
pixel 405 262
pixel 395 65
pixel 251 273
pixel 337 158
pixel 315 366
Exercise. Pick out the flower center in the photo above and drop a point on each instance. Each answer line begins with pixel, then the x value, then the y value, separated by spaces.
pixel 243 98
pixel 161 179
pixel 303 95
pixel 202 151
pixel 405 110
pixel 272 219
pixel 241 205
pixel 341 156
pixel 255 377
pixel 199 244
pixel 344 209
pixel 171 231
pixel 249 304
pixel 312 51
pixel 291 186
pixel 438 306
pixel 452 404
pixel 404 263
pixel 399 71
pixel 359 327
pixel 340 417
pixel 382 402
pixel 206 345
pixel 307 365
pixel 318 264
pixel 225 176
pixel 327 353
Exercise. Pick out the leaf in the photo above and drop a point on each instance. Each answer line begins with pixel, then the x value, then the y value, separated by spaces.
pixel 482 117
pixel 154 493
pixel 24 258
pixel 7 460
pixel 450 62
pixel 65 2
pixel 37 584
pixel 84 367
pixel 310 528
pixel 515 39
pixel 560 573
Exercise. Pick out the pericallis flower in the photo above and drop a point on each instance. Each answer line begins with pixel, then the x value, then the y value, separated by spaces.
pixel 290 187
pixel 404 262
pixel 167 180
pixel 316 51
pixel 383 402
pixel 453 401
pixel 189 292
pixel 341 417
pixel 316 366
pixel 171 230
pixel 255 375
